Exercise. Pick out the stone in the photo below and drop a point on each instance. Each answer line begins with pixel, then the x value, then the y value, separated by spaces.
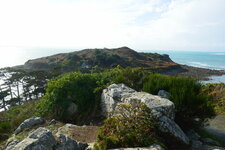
pixel 208 147
pixel 210 141
pixel 28 123
pixel 120 93
pixel 169 126
pixel 111 96
pixel 196 145
pixel 40 139
pixel 163 94
pixel 67 143
pixel 162 108
pixel 152 147
pixel 12 144
pixel 192 135
pixel 52 122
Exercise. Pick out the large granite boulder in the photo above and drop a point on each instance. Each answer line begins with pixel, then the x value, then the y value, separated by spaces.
pixel 162 108
pixel 40 139
pixel 28 123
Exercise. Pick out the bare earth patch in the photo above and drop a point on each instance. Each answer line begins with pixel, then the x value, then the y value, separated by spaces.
pixel 87 134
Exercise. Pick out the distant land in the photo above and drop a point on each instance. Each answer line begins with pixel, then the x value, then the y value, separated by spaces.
pixel 88 60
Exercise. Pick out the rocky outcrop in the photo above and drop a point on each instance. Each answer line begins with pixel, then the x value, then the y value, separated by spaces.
pixel 40 139
pixel 162 108
pixel 198 143
pixel 43 139
pixel 152 147
pixel 67 143
pixel 28 123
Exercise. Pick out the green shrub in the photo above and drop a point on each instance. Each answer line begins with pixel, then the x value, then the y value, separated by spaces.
pixel 132 77
pixel 71 87
pixel 133 126
pixel 186 94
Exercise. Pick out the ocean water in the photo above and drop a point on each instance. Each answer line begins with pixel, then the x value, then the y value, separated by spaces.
pixel 209 60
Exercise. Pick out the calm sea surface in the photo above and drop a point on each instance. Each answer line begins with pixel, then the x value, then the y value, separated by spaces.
pixel 210 60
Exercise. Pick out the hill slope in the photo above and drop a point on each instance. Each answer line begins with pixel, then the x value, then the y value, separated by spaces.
pixel 101 58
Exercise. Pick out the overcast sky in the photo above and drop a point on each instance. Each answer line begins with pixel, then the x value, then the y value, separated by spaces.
pixel 139 24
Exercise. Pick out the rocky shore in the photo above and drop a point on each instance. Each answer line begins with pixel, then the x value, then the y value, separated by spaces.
pixel 195 72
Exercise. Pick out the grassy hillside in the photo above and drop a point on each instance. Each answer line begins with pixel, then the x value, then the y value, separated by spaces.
pixel 96 59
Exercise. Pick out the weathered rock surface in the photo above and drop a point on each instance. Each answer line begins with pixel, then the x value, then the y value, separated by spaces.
pixel 163 94
pixel 40 139
pixel 152 147
pixel 163 109
pixel 210 141
pixel 67 143
pixel 208 147
pixel 43 139
pixel 28 123
pixel 192 135
pixel 120 93
pixel 52 122
pixel 199 143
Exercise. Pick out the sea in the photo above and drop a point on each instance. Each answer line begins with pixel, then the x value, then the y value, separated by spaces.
pixel 209 60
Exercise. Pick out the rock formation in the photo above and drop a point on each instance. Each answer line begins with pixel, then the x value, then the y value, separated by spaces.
pixel 163 109
pixel 28 123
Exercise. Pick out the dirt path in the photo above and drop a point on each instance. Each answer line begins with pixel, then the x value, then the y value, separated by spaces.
pixel 217 126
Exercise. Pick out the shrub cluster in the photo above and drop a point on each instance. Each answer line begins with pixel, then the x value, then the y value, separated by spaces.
pixel 217 92
pixel 84 90
pixel 132 126
pixel 186 94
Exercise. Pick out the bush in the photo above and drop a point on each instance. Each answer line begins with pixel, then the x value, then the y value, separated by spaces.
pixel 132 77
pixel 186 94
pixel 217 92
pixel 62 91
pixel 133 126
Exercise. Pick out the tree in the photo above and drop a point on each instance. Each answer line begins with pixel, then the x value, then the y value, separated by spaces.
pixel 3 95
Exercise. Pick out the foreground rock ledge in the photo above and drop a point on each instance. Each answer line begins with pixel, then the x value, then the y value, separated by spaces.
pixel 43 139
pixel 162 108
pixel 152 147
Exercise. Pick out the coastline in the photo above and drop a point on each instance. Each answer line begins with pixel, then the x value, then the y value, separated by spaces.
pixel 195 72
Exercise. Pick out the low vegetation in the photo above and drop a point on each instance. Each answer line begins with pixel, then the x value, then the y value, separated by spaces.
pixel 190 102
pixel 85 90
pixel 133 126
pixel 217 93
pixel 12 118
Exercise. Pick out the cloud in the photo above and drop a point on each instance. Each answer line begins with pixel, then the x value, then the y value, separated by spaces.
pixel 142 24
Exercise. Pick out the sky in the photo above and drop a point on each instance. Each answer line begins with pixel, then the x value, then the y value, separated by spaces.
pixel 197 25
